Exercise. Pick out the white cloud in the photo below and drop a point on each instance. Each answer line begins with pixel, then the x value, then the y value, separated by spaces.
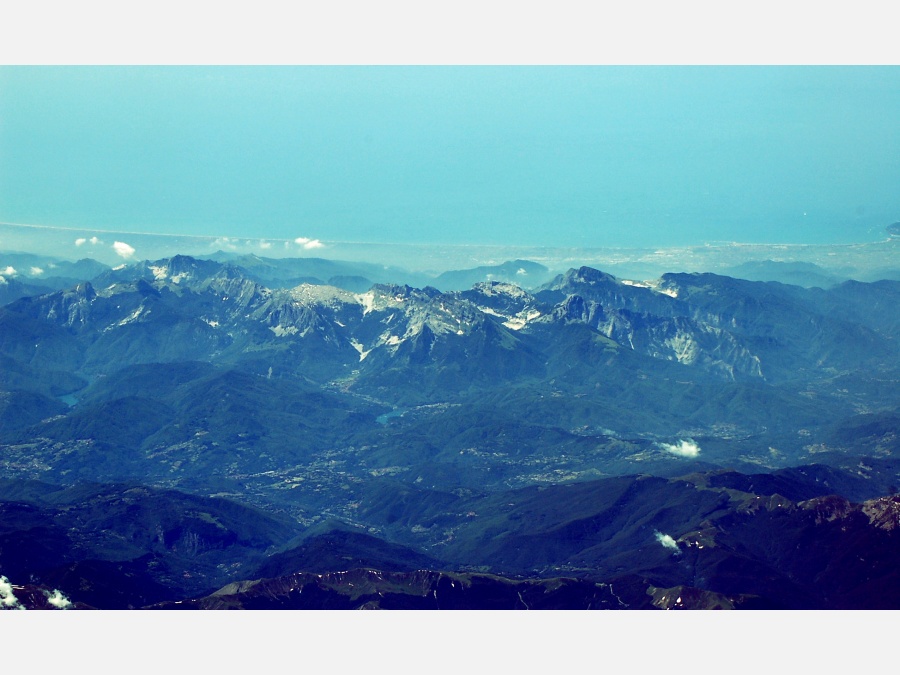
pixel 667 541
pixel 308 243
pixel 81 241
pixel 265 244
pixel 683 448
pixel 58 600
pixel 521 272
pixel 123 250
pixel 94 241
pixel 223 243
pixel 8 599
pixel 10 271
pixel 36 271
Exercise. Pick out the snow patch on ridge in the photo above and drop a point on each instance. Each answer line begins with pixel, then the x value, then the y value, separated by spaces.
pixel 367 300
pixel 363 353
pixel 134 316
pixel 283 331
pixel 686 349
pixel 516 322
pixel 653 285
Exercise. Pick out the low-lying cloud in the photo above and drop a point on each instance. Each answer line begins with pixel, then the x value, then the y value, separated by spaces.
pixel 10 271
pixel 81 241
pixel 683 448
pixel 58 600
pixel 123 250
pixel 667 541
pixel 8 599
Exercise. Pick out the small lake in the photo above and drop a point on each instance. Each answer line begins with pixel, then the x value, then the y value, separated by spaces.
pixel 69 399
pixel 397 412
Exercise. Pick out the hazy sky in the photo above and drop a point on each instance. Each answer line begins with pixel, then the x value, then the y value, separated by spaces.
pixel 568 156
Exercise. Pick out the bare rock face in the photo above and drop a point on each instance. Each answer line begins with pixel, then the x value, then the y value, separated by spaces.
pixel 883 513
pixel 828 509
pixel 423 589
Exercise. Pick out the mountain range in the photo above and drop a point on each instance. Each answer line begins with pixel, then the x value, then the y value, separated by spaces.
pixel 218 432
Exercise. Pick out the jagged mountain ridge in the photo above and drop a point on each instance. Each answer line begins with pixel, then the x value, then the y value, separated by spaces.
pixel 584 355
pixel 727 328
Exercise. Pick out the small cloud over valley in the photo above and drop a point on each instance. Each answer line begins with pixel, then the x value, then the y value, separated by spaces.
pixel 667 541
pixel 683 448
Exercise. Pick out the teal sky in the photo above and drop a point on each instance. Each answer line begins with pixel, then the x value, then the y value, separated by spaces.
pixel 548 156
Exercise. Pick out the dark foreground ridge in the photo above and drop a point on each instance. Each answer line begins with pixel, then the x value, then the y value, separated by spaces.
pixel 634 542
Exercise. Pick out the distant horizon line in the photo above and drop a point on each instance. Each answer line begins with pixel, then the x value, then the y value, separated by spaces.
pixel 331 243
